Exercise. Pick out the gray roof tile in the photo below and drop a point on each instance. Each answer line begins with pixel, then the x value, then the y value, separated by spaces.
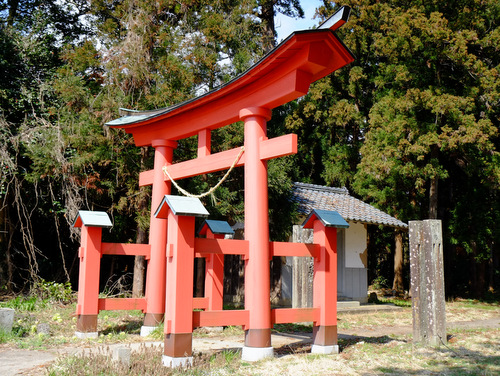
pixel 311 196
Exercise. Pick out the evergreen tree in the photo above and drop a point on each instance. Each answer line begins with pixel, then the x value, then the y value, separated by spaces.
pixel 412 124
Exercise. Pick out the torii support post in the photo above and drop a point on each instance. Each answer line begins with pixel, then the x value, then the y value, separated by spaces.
pixel 257 278
pixel 155 288
pixel 178 326
pixel 325 225
pixel 87 307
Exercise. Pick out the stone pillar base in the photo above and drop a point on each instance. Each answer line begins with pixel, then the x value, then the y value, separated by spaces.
pixel 147 330
pixel 254 354
pixel 84 335
pixel 324 350
pixel 182 361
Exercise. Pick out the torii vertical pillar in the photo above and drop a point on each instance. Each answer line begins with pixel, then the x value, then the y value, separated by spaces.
pixel 257 278
pixel 155 286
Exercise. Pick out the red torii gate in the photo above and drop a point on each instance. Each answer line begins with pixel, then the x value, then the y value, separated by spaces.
pixel 281 76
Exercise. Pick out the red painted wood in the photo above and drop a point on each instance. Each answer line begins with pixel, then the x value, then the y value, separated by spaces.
pixel 126 249
pixel 116 304
pixel 288 315
pixel 180 271
pixel 200 303
pixel 90 263
pixel 204 143
pixel 294 249
pixel 204 247
pixel 220 318
pixel 155 291
pixel 325 275
pixel 257 276
pixel 270 148
pixel 214 276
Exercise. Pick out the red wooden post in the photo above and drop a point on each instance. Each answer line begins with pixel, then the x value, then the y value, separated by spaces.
pixel 88 282
pixel 257 278
pixel 90 253
pixel 325 224
pixel 214 276
pixel 155 288
pixel 325 290
pixel 178 327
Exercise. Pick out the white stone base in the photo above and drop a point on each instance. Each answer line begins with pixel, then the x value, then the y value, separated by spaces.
pixel 147 330
pixel 182 361
pixel 318 349
pixel 254 354
pixel 86 335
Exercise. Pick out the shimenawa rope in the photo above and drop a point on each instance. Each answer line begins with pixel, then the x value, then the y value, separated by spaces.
pixel 211 190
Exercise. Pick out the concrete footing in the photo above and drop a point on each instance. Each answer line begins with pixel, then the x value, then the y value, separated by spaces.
pixel 323 350
pixel 147 330
pixel 254 354
pixel 176 362
pixel 82 335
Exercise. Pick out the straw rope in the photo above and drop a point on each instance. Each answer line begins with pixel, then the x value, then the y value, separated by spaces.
pixel 211 190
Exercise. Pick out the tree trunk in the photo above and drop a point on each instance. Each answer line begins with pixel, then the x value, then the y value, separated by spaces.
pixel 142 237
pixel 199 282
pixel 267 17
pixel 433 189
pixel 433 199
pixel 13 5
pixel 276 264
pixel 397 284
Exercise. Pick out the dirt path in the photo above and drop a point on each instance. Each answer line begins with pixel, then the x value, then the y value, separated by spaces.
pixel 33 362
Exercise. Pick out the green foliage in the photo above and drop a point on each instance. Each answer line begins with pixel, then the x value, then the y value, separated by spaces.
pixel 380 282
pixel 416 111
pixel 53 292
pixel 25 303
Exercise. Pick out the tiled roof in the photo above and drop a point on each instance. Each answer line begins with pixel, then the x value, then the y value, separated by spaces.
pixel 311 196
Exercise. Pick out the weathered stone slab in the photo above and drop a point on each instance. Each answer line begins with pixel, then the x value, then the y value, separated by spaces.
pixel 427 282
pixel 6 319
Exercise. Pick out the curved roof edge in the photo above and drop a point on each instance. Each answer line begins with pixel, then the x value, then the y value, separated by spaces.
pixel 311 196
pixel 134 118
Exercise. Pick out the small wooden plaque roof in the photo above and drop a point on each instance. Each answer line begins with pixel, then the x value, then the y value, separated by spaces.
pixel 180 205
pixel 217 227
pixel 92 219
pixel 327 217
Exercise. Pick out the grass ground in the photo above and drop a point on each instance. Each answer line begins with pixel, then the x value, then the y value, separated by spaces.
pixel 367 351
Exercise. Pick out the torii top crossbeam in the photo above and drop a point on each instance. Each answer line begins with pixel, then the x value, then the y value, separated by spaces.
pixel 282 75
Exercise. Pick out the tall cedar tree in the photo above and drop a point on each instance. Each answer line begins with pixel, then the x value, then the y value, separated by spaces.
pixel 412 124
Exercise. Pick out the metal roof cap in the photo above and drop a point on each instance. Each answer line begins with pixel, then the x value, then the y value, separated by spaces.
pixel 92 219
pixel 327 217
pixel 180 205
pixel 217 227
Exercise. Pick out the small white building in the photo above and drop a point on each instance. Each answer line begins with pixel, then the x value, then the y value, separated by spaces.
pixel 351 244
